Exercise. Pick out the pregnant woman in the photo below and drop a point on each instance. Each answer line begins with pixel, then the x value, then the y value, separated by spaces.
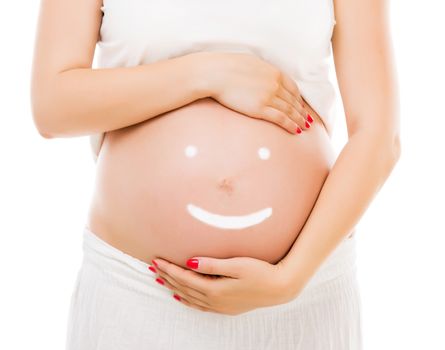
pixel 221 217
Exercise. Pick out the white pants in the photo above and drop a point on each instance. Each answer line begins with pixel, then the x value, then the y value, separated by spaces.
pixel 117 305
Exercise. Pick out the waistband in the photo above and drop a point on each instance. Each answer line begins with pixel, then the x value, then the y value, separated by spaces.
pixel 132 273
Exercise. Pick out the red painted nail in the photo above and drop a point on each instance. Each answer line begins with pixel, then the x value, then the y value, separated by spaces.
pixel 310 118
pixel 298 130
pixel 154 263
pixel 151 268
pixel 307 125
pixel 160 281
pixel 193 263
pixel 177 297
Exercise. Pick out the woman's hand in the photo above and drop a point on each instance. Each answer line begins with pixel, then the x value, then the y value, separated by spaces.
pixel 229 286
pixel 256 88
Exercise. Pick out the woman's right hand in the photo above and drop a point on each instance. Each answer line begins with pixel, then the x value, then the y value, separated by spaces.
pixel 256 88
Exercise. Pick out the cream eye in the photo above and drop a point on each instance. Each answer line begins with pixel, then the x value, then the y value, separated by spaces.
pixel 264 153
pixel 190 151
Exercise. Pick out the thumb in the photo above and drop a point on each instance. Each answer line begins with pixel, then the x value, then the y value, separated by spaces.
pixel 229 267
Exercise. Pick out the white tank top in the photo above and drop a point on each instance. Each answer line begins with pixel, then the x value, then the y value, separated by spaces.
pixel 294 35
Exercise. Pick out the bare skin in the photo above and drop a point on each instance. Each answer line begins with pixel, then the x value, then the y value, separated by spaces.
pixel 145 182
pixel 65 104
pixel 71 99
pixel 366 75
pixel 367 79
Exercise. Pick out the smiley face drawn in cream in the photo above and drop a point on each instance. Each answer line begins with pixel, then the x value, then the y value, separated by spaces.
pixel 228 221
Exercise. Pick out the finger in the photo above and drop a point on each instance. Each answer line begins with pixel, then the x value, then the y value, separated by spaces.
pixel 229 267
pixel 295 115
pixel 194 306
pixel 189 278
pixel 289 98
pixel 278 117
pixel 290 85
pixel 299 117
pixel 184 288
pixel 192 300
pixel 303 115
pixel 167 284
pixel 299 104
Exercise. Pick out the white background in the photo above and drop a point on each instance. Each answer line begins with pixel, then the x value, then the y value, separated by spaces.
pixel 46 186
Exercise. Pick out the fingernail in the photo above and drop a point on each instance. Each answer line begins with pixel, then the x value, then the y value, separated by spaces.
pixel 193 263
pixel 177 297
pixel 154 263
pixel 151 268
pixel 160 280
pixel 310 118
pixel 307 125
pixel 298 130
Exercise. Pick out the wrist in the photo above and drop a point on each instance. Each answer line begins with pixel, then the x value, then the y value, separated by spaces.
pixel 200 66
pixel 289 281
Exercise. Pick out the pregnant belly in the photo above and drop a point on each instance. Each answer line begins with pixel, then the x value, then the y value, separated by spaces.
pixel 205 180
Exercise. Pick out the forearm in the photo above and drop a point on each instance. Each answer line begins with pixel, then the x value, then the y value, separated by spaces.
pixel 84 101
pixel 359 172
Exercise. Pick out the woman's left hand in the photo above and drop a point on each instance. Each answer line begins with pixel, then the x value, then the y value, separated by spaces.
pixel 229 286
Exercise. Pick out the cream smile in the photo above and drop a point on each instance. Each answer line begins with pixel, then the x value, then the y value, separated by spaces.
pixel 228 222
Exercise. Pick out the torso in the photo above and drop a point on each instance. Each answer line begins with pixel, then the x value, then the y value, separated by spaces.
pixel 153 179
